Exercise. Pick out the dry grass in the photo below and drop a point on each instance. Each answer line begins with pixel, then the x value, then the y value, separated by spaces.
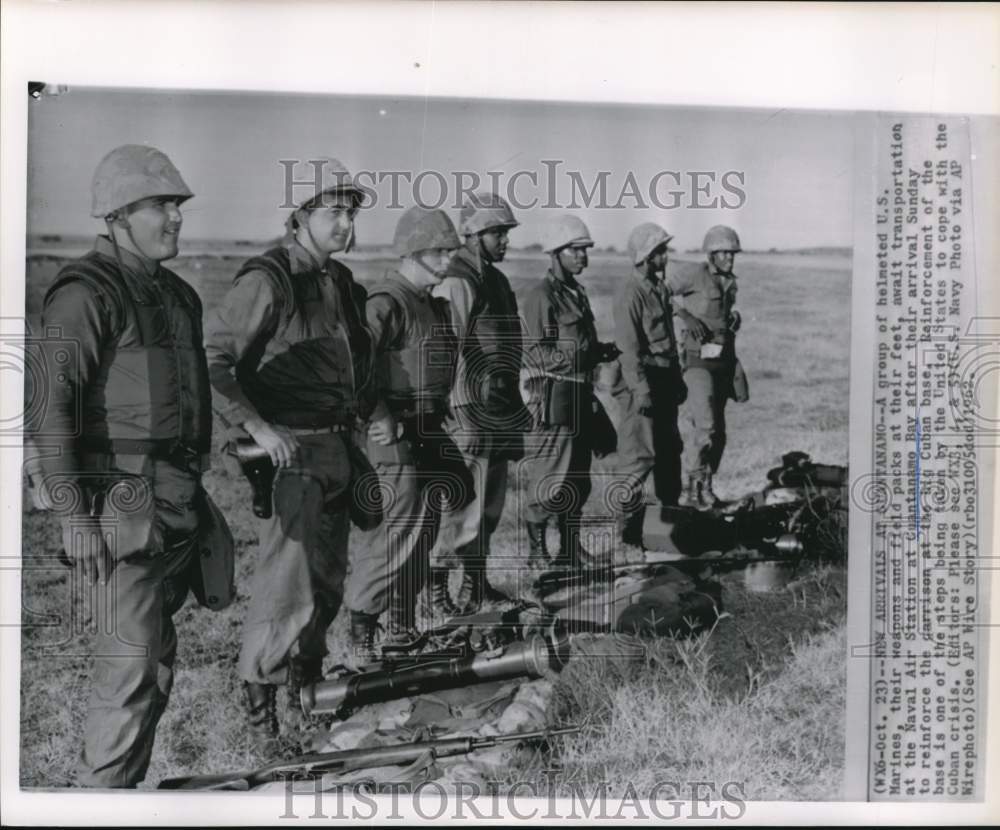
pixel 760 700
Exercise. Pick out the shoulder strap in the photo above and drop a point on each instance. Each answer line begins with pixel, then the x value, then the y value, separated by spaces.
pixel 276 264
pixel 105 283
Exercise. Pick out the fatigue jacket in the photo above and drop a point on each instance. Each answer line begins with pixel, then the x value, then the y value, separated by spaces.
pixel 288 343
pixel 644 329
pixel 561 334
pixel 710 296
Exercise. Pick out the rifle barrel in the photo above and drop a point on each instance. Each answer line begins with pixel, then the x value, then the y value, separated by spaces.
pixel 351 759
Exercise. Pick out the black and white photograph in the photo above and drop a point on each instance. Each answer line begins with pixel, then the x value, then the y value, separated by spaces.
pixel 561 459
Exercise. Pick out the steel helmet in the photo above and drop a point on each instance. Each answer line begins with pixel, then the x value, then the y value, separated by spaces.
pixel 131 173
pixel 483 211
pixel 645 239
pixel 721 238
pixel 564 231
pixel 420 229
pixel 321 175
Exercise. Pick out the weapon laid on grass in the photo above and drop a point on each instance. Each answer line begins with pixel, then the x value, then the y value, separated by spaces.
pixel 348 760
pixel 483 648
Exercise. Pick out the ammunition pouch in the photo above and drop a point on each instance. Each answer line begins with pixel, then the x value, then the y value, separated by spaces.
pixel 259 470
pixel 563 403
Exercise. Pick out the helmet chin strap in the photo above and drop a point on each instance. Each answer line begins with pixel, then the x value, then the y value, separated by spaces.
pixel 557 266
pixel 124 223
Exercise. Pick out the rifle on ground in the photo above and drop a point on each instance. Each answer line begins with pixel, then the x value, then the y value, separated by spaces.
pixel 348 760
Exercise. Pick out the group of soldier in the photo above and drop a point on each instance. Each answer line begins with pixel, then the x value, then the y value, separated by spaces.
pixel 434 379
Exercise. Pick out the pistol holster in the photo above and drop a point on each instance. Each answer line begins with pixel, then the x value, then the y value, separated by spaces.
pixel 259 470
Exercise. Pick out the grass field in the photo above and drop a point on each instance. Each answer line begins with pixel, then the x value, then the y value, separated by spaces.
pixel 760 700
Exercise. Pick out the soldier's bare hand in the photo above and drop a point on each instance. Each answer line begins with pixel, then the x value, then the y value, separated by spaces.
pixel 384 431
pixel 83 542
pixel 279 442
pixel 735 320
pixel 698 329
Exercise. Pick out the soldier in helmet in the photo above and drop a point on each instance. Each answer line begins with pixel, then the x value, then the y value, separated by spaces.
pixel 121 445
pixel 418 465
pixel 288 355
pixel 561 353
pixel 704 298
pixel 488 415
pixel 653 388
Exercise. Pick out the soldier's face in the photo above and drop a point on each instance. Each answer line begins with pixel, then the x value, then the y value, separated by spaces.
pixel 331 222
pixel 435 262
pixel 573 260
pixel 723 260
pixel 154 226
pixel 494 242
pixel 658 259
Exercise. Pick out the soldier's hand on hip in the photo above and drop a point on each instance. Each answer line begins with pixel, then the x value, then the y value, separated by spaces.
pixel 698 329
pixel 384 431
pixel 84 544
pixel 735 321
pixel 279 442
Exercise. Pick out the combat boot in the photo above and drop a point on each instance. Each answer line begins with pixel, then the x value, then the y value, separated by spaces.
pixel 477 587
pixel 538 556
pixel 441 600
pixel 302 671
pixel 402 635
pixel 632 527
pixel 262 717
pixel 690 495
pixel 572 555
pixel 708 496
pixel 363 627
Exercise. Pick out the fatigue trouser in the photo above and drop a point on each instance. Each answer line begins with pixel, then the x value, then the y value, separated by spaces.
pixel 135 648
pixel 414 475
pixel 651 443
pixel 298 580
pixel 466 531
pixel 557 463
pixel 705 416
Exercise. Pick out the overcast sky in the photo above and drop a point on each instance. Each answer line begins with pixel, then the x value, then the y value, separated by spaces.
pixel 796 166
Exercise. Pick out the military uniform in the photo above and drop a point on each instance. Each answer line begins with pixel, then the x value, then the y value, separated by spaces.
pixel 560 354
pixel 127 428
pixel 288 345
pixel 648 441
pixel 414 365
pixel 487 415
pixel 710 296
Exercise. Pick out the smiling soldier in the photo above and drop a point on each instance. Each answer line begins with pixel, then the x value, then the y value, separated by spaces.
pixel 287 353
pixel 127 431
